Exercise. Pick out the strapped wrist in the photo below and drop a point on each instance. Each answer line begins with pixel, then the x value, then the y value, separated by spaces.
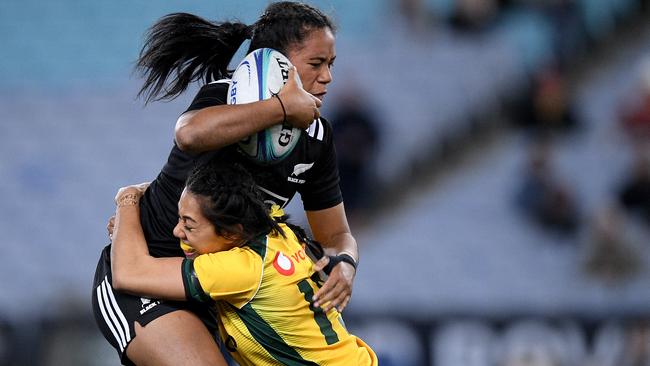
pixel 336 259
pixel 347 258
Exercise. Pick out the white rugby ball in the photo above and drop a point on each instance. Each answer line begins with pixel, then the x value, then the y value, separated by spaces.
pixel 261 74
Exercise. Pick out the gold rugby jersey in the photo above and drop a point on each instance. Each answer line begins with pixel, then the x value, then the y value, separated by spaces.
pixel 263 293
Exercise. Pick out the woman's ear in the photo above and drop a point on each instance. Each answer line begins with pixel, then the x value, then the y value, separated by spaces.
pixel 239 241
pixel 236 237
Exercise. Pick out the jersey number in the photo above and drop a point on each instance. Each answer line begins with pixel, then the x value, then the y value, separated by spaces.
pixel 319 316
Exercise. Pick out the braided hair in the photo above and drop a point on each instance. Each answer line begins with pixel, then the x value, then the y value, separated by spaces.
pixel 181 48
pixel 230 200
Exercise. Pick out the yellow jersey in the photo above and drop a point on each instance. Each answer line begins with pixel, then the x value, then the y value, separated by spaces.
pixel 263 293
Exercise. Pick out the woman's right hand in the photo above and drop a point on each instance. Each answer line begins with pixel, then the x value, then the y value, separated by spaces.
pixel 301 107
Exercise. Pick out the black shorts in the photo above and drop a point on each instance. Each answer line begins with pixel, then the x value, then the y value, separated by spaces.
pixel 115 312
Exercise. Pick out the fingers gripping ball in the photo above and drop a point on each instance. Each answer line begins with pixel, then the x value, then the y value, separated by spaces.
pixel 260 75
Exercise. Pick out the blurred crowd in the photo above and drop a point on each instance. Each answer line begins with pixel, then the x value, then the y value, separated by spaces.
pixel 544 112
pixel 611 235
pixel 611 253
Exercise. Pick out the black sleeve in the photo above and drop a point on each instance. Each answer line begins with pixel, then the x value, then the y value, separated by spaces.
pixel 210 95
pixel 159 206
pixel 322 189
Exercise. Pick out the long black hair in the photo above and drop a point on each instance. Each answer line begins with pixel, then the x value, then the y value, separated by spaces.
pixel 181 48
pixel 230 200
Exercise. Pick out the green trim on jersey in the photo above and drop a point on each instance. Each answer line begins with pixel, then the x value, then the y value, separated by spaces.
pixel 193 289
pixel 258 245
pixel 320 317
pixel 269 339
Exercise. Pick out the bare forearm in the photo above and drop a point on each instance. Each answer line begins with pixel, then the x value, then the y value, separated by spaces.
pixel 330 228
pixel 342 243
pixel 218 126
pixel 129 246
pixel 133 269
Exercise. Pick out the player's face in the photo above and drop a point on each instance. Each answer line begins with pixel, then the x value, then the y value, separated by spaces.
pixel 195 229
pixel 314 59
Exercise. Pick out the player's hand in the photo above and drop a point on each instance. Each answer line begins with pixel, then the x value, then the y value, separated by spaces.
pixel 337 290
pixel 301 107
pixel 136 189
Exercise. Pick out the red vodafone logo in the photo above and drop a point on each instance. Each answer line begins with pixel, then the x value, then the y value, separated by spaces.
pixel 283 264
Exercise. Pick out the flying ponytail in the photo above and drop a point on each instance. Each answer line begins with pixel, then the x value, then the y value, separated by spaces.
pixel 181 48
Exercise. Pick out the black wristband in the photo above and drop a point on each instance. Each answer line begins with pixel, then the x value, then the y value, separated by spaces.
pixel 336 259
pixel 347 259
pixel 284 111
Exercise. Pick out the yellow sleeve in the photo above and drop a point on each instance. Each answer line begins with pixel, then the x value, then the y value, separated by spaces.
pixel 233 275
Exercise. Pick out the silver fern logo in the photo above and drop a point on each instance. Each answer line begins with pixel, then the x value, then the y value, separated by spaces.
pixel 297 170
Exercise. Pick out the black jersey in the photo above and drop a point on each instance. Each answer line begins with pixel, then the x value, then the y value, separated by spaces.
pixel 309 169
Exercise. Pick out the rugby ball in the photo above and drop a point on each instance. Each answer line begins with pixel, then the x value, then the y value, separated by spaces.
pixel 258 76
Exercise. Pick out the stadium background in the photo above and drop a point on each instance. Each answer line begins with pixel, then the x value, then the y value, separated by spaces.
pixel 454 268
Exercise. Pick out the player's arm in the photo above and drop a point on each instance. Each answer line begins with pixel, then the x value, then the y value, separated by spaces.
pixel 330 228
pixel 133 269
pixel 217 126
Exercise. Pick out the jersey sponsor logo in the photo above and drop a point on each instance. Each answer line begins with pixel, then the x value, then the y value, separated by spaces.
pixel 299 256
pixel 297 170
pixel 283 264
pixel 147 304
